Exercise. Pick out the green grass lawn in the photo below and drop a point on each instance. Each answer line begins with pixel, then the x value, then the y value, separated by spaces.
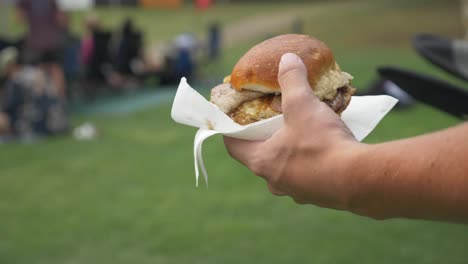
pixel 129 196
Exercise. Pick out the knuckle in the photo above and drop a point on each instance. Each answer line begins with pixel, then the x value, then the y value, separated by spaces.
pixel 260 166
pixel 292 72
pixel 292 102
pixel 295 104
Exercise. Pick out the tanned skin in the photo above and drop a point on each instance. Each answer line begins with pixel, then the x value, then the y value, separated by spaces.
pixel 315 159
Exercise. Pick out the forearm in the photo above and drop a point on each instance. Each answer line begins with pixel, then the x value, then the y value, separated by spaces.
pixel 425 177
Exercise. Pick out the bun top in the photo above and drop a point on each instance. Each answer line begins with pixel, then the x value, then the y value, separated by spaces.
pixel 257 70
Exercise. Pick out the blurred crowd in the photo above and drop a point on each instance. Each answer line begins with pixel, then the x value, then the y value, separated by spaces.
pixel 50 66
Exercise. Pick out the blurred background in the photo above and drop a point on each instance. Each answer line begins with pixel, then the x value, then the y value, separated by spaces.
pixel 93 170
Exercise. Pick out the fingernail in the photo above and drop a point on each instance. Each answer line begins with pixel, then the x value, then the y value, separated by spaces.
pixel 289 58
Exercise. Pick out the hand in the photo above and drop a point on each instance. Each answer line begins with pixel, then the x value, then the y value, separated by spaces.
pixel 308 158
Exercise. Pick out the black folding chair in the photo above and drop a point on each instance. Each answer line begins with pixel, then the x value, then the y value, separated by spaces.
pixel 448 55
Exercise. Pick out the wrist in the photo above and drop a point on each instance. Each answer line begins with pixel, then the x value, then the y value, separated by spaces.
pixel 341 171
pixel 367 179
pixel 359 178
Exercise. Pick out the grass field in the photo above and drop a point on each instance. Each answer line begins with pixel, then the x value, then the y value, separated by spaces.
pixel 129 196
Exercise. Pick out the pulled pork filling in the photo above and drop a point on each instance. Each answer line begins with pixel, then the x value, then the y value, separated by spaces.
pixel 338 104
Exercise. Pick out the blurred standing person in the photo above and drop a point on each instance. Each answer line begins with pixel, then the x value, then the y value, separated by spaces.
pixel 214 41
pixel 44 40
pixel 87 41
pixel 186 47
pixel 125 52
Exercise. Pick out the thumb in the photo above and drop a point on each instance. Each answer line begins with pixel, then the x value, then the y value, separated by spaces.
pixel 295 87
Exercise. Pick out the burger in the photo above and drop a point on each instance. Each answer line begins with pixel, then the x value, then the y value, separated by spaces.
pixel 252 92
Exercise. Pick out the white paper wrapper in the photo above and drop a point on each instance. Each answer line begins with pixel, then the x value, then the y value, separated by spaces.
pixel 192 109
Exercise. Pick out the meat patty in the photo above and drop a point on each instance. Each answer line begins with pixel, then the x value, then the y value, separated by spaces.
pixel 268 106
pixel 339 103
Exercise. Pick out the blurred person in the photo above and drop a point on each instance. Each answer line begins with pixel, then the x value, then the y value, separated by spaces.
pixel 94 56
pixel 167 73
pixel 315 159
pixel 187 41
pixel 29 107
pixel 214 41
pixel 126 56
pixel 174 61
pixel 128 48
pixel 87 47
pixel 186 47
pixel 44 40
pixel 91 25
pixel 70 53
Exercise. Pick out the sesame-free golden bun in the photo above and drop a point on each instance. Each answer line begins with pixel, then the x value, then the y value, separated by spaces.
pixel 252 92
pixel 257 70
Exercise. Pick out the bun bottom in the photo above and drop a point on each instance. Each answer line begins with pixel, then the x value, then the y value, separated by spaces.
pixel 270 105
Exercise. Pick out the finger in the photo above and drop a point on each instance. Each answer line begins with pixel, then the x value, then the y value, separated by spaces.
pixel 241 150
pixel 275 191
pixel 295 87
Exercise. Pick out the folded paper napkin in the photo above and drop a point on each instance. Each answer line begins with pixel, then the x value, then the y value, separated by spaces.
pixel 192 109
